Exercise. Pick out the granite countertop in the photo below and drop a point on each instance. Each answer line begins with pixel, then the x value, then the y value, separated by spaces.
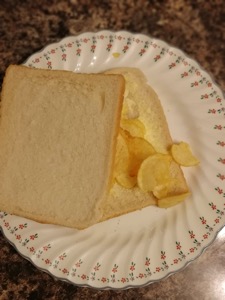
pixel 196 27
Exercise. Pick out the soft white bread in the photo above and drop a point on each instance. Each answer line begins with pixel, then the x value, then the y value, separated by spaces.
pixel 58 135
pixel 142 103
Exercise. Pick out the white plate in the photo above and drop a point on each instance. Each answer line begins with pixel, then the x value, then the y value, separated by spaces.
pixel 144 246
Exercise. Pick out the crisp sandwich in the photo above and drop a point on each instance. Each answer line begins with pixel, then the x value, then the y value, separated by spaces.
pixel 78 149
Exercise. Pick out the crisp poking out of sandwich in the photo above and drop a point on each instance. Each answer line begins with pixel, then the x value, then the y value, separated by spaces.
pixel 58 135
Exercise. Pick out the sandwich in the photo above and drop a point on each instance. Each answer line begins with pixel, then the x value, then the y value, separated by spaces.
pixel 76 148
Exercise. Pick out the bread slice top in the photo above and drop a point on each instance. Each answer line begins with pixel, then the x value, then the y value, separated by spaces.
pixel 145 103
pixel 58 135
pixel 142 103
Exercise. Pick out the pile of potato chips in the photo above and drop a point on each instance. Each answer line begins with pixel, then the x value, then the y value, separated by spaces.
pixel 137 163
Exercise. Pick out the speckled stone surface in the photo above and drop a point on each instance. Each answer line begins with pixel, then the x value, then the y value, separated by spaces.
pixel 196 27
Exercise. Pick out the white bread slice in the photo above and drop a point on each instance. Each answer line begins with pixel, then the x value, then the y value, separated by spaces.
pixel 144 100
pixel 57 144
